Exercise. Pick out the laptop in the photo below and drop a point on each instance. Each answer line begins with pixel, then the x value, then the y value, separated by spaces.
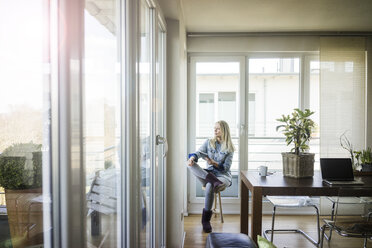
pixel 338 171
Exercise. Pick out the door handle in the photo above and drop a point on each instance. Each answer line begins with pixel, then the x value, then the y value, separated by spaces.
pixel 162 141
pixel 242 129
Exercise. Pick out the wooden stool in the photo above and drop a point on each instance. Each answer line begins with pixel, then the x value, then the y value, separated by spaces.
pixel 214 209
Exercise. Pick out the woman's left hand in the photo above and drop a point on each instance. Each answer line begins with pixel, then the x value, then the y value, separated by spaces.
pixel 212 162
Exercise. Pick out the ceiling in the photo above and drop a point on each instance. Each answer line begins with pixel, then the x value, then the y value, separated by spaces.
pixel 271 15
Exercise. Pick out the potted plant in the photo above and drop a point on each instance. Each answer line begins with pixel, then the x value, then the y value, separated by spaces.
pixel 297 128
pixel 364 158
pixel 20 176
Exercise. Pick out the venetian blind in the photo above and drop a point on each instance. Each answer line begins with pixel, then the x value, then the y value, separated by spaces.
pixel 342 93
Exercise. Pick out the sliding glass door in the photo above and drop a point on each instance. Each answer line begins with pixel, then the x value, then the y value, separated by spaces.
pixel 161 145
pixel 152 131
pixel 82 124
pixel 218 93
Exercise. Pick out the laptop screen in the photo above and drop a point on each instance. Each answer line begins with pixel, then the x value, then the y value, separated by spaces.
pixel 339 169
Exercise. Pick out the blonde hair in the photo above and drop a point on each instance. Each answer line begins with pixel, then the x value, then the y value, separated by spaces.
pixel 226 143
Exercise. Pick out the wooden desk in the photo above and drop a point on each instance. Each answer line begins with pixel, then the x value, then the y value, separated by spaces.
pixel 276 184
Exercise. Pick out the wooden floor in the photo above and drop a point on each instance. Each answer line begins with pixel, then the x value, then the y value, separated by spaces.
pixel 195 237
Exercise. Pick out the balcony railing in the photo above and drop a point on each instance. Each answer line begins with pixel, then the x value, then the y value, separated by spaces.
pixel 265 151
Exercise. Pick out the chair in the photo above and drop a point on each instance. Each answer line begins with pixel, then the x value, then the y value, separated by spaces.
pixel 355 226
pixel 344 200
pixel 292 202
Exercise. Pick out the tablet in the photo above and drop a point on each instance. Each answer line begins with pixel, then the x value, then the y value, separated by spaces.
pixel 203 155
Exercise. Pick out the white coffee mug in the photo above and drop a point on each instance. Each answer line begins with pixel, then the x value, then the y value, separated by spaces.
pixel 263 170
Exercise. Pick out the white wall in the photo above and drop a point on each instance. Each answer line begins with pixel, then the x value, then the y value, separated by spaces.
pixel 177 129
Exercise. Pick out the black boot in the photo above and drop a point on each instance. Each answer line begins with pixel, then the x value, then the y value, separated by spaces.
pixel 212 179
pixel 206 220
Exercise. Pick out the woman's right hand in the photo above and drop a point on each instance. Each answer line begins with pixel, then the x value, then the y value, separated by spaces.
pixel 190 162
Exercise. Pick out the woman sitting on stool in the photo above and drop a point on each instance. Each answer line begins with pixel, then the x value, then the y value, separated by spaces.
pixel 218 152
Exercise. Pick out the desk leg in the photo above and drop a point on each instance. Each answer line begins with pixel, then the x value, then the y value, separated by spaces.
pixel 244 208
pixel 256 223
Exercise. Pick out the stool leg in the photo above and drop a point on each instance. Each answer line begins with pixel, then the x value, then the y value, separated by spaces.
pixel 215 205
pixel 219 199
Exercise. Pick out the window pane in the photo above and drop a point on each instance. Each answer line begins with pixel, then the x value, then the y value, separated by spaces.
pixel 227 109
pixel 274 91
pixel 275 65
pixel 206 120
pixel 102 124
pixel 25 124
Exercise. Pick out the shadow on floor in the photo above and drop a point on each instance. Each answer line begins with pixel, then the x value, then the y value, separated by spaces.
pixel 5 241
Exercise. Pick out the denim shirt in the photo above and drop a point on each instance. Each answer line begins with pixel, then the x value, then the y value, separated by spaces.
pixel 223 158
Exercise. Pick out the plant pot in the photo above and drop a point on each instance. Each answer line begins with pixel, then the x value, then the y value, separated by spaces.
pixel 298 166
pixel 366 167
pixel 25 216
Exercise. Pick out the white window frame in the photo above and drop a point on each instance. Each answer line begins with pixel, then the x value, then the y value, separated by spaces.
pixel 231 204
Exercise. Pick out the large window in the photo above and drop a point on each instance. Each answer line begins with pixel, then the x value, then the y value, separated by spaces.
pixel 276 84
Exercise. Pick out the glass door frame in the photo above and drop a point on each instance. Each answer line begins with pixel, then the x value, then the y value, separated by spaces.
pixel 159 212
pixel 68 180
pixel 241 123
pixel 158 127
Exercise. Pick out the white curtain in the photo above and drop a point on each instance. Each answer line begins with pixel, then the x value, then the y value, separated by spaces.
pixel 342 94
